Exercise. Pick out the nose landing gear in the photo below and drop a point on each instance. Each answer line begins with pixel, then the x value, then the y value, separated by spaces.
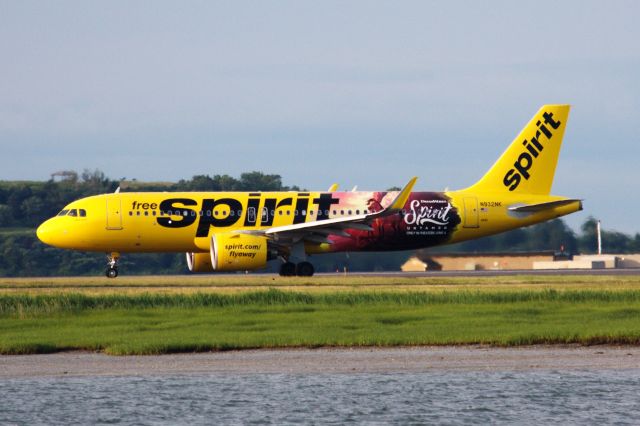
pixel 112 265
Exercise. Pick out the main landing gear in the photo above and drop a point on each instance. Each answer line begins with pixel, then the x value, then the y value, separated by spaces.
pixel 112 265
pixel 302 269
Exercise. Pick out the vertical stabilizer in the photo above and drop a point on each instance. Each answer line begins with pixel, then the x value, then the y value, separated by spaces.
pixel 529 163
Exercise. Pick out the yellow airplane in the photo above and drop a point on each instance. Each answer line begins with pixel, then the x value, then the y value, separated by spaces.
pixel 237 231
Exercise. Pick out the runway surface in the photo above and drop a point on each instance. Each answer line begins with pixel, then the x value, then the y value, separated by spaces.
pixel 496 273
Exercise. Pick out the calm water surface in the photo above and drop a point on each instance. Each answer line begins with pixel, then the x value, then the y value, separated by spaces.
pixel 568 397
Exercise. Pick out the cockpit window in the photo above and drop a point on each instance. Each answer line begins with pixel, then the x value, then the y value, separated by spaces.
pixel 82 212
pixel 73 213
pixel 63 213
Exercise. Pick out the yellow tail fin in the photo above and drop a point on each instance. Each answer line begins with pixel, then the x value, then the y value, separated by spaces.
pixel 528 165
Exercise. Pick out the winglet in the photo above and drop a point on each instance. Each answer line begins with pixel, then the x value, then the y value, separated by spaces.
pixel 403 196
pixel 333 188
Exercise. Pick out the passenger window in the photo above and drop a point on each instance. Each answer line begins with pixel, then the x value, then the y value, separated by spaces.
pixel 73 213
pixel 83 213
pixel 63 213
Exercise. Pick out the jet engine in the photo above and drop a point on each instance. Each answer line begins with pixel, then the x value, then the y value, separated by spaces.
pixel 239 252
pixel 231 252
pixel 199 262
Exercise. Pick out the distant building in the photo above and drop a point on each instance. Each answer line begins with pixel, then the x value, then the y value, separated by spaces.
pixel 517 261
pixel 476 261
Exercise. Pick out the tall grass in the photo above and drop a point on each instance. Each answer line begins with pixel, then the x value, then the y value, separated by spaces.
pixel 149 323
pixel 21 304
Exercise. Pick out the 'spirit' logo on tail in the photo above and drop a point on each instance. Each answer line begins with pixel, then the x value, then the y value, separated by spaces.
pixel 533 148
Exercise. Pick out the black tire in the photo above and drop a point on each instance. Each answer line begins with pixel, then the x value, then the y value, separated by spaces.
pixel 288 269
pixel 304 269
pixel 111 272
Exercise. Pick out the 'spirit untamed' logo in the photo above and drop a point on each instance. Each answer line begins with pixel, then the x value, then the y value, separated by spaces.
pixel 424 212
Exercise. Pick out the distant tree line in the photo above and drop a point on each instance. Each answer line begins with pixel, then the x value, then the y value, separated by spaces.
pixel 553 235
pixel 24 205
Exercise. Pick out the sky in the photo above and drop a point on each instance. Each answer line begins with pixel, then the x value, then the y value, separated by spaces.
pixel 360 93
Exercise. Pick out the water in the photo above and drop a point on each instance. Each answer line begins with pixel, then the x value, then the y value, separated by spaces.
pixel 568 397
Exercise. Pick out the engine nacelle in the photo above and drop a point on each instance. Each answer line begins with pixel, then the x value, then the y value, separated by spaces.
pixel 230 252
pixel 238 252
pixel 199 262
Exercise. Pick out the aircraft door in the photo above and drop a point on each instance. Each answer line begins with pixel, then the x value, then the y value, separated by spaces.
pixel 114 212
pixel 470 212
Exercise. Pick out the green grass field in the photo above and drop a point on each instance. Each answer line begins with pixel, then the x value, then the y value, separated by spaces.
pixel 152 315
pixel 233 283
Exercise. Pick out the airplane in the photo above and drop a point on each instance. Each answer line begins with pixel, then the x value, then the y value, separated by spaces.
pixel 240 231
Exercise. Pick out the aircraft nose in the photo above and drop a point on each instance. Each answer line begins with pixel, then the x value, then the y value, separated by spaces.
pixel 45 233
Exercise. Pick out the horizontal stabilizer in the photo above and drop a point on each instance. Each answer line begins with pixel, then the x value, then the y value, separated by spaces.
pixel 538 207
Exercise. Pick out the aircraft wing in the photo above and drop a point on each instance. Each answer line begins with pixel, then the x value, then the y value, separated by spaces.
pixel 318 231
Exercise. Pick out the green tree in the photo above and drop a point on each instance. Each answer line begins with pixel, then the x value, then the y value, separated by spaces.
pixel 6 218
pixel 258 181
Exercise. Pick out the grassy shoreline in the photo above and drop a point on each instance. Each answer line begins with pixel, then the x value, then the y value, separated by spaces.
pixel 156 323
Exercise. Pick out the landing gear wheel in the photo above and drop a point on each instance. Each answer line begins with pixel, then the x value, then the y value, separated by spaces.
pixel 112 265
pixel 288 269
pixel 304 269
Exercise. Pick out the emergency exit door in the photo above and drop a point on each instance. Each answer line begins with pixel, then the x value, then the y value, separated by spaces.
pixel 470 212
